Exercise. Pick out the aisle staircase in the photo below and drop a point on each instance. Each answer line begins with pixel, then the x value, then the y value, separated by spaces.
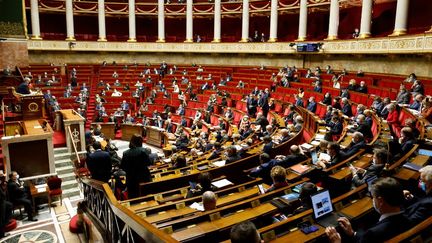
pixel 65 171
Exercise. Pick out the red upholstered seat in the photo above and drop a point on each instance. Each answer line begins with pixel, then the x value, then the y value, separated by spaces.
pixel 11 226
pixel 55 192
pixel 73 227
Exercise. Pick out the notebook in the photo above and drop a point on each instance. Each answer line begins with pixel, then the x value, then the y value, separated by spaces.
pixel 300 169
pixel 412 166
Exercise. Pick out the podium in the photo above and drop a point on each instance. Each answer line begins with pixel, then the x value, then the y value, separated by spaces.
pixel 28 148
pixel 155 136
pixel 128 130
pixel 74 123
pixel 32 107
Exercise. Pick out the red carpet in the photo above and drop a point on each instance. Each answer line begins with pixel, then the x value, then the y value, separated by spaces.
pixel 118 134
pixel 59 139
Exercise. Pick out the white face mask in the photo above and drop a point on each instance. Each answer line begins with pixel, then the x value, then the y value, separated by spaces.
pixel 375 206
pixel 17 177
pixel 374 161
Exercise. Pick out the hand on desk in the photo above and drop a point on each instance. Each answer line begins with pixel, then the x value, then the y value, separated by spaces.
pixel 333 235
pixel 346 226
pixel 408 195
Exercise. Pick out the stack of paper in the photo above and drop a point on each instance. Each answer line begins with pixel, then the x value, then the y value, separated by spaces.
pixel 197 206
pixel 222 183
pixel 219 163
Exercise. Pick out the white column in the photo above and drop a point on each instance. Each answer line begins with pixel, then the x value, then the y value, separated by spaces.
pixel 273 21
pixel 132 29
pixel 34 9
pixel 217 21
pixel 161 21
pixel 303 15
pixel 69 21
pixel 101 20
pixel 189 21
pixel 366 18
pixel 334 20
pixel 401 21
pixel 245 22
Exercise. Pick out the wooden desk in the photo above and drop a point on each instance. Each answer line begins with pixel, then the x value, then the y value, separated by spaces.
pixel 226 222
pixel 41 193
pixel 128 130
pixel 107 128
pixel 75 122
pixel 407 174
pixel 299 236
pixel 358 208
pixel 345 172
pixel 154 136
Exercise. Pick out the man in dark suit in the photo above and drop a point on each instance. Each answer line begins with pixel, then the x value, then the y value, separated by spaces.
pixel 336 156
pixel 346 108
pixel 363 127
pixel 263 170
pixel 312 105
pixel 296 156
pixel 421 208
pixel 135 162
pixel 5 206
pixel 23 88
pixel 19 195
pixel 268 145
pixel 252 104
pixel 298 101
pixel 356 144
pixel 360 176
pixel 405 144
pixel 99 163
pixel 183 122
pixel 387 196
pixel 262 121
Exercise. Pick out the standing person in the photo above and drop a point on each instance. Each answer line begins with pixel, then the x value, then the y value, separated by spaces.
pixel 134 162
pixel 5 206
pixel 99 163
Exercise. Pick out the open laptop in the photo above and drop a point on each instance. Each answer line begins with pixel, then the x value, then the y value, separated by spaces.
pixel 314 156
pixel 323 209
pixel 425 152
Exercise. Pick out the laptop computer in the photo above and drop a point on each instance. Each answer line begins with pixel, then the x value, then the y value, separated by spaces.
pixel 314 156
pixel 425 152
pixel 323 210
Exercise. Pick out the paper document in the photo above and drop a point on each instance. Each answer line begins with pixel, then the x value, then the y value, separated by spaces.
pixel 319 136
pixel 219 163
pixel 222 183
pixel 197 206
pixel 315 142
pixel 307 146
pixel 324 156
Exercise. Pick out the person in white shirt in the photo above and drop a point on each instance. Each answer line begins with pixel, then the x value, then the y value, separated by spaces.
pixel 336 84
pixel 116 93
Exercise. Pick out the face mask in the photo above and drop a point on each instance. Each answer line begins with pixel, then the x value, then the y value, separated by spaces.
pixel 17 177
pixel 422 186
pixel 375 207
pixel 373 161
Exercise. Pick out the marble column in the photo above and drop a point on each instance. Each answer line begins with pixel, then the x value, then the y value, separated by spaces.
pixel 34 9
pixel 334 20
pixel 245 22
pixel 70 35
pixel 401 21
pixel 273 21
pixel 101 20
pixel 161 21
pixel 189 21
pixel 132 27
pixel 217 21
pixel 366 18
pixel 303 16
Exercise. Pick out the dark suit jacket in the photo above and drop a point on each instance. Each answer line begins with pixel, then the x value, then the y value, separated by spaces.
pixel 134 163
pixel 23 88
pixel 365 129
pixel 354 148
pixel 15 191
pixel 384 229
pixel 268 147
pixel 420 210
pixel 407 146
pixel 291 160
pixel 299 102
pixel 263 122
pixel 312 107
pixel 346 109
pixel 371 171
pixel 99 164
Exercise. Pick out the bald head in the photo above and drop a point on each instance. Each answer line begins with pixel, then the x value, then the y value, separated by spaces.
pixel 209 200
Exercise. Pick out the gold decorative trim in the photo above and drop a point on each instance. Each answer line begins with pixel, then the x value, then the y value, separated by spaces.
pixel 36 37
pixel 398 33
pixel 419 44
pixel 188 40
pixel 71 38
pixel 216 40
pixel 102 39
pixel 244 40
pixel 272 40
pixel 132 40
pixel 364 35
pixel 160 41
pixel 302 38
pixel 331 37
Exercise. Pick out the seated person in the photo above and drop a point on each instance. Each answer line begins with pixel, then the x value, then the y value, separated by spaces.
pixel 360 176
pixel 268 144
pixel 217 150
pixel 263 170
pixel 336 126
pixel 362 88
pixel 285 136
pixel 203 185
pixel 306 191
pixel 124 106
pixel 232 155
pixel 180 162
pixel 296 156
pixel 412 124
pixel 118 112
pixel 278 175
pixel 357 143
pixel 421 206
pixel 19 195
pixel 335 153
pixel 346 108
pixel 405 144
pixel 245 232
pixel 116 93
pixel 129 119
pixel 209 200
pixel 312 105
pixel 387 199
pixel 5 206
